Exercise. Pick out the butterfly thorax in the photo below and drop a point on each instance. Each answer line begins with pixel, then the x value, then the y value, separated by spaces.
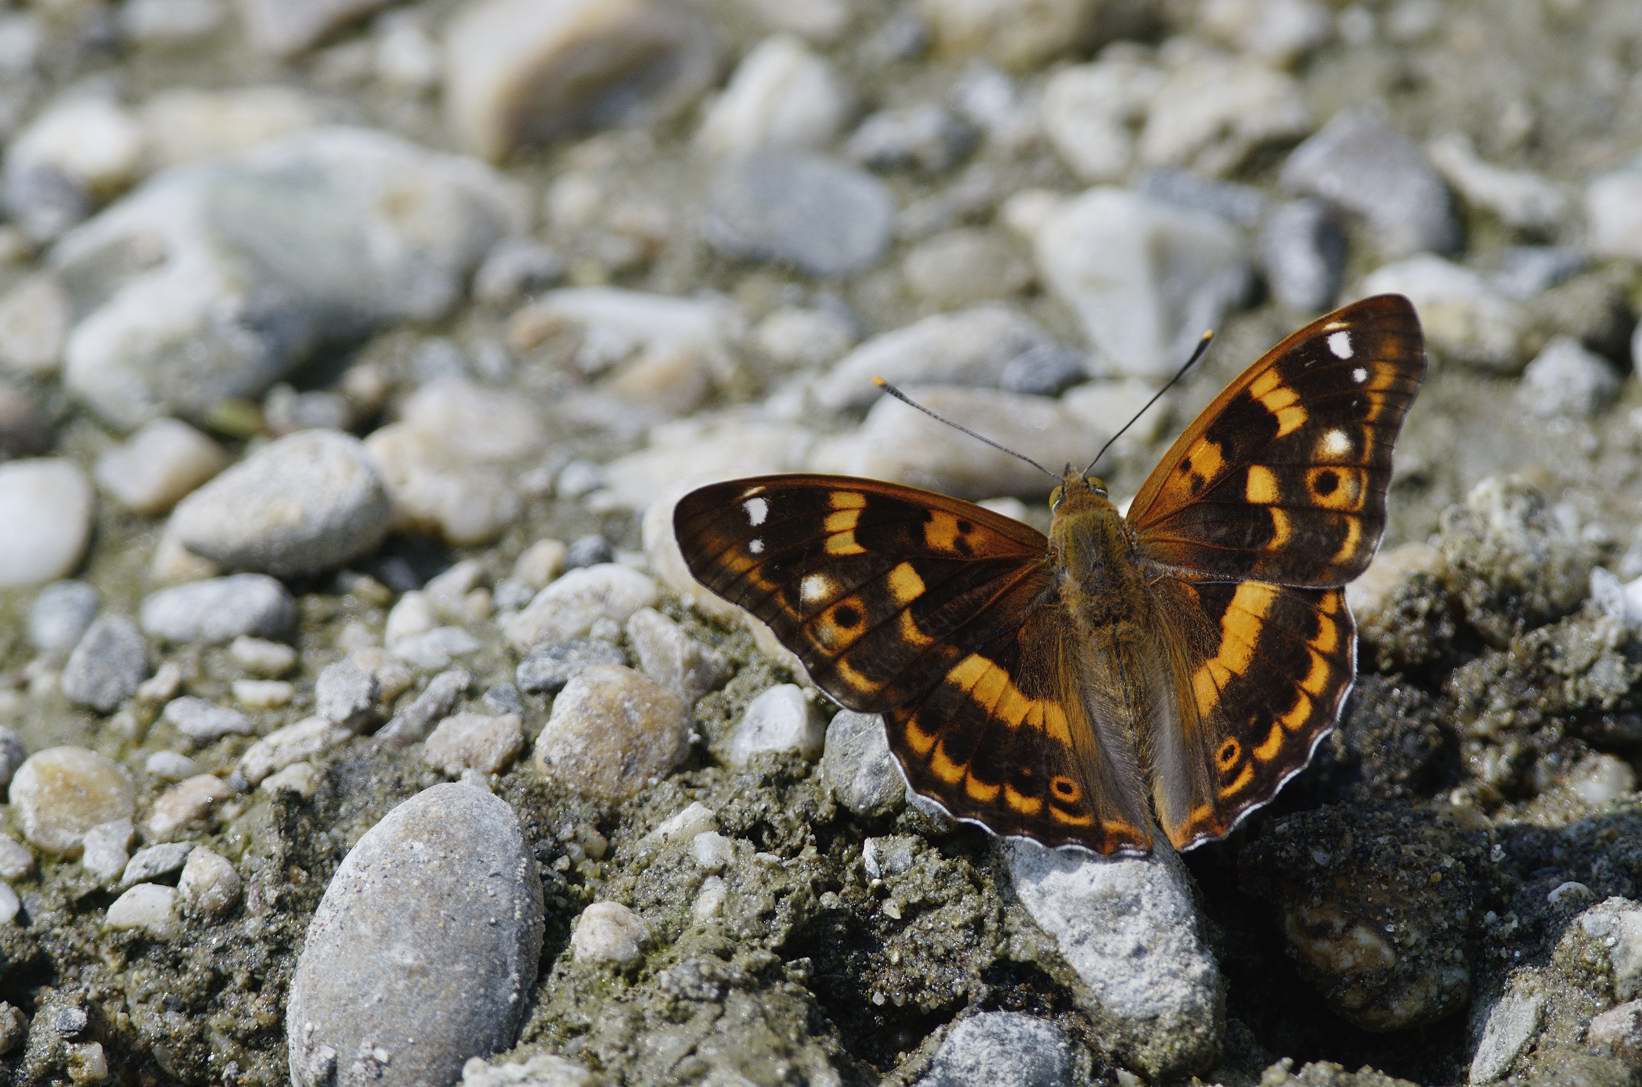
pixel 1093 552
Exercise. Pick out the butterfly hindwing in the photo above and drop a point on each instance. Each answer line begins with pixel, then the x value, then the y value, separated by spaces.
pixel 1284 476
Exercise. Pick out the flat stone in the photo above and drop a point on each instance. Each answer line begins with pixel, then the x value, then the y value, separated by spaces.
pixel 153 470
pixel 60 614
pixel 1016 34
pixel 151 862
pixel 1002 1049
pixel 10 904
pixel 46 505
pixel 608 932
pixel 671 657
pixel 781 720
pixel 612 730
pixel 473 741
pixel 108 664
pixel 1507 1029
pixel 437 911
pixel 219 610
pixel 185 804
pixel 148 908
pixel 568 608
pixel 857 765
pixel 62 792
pixel 289 745
pixel 202 720
pixel 347 694
pixel 822 217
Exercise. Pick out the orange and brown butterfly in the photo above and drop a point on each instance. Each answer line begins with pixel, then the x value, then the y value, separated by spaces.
pixel 1170 668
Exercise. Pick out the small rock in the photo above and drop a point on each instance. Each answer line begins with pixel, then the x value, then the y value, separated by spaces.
pixel 289 745
pixel 1302 252
pixel 541 562
pixel 589 550
pixel 568 608
pixel 1279 31
pixel 1566 378
pixel 411 614
pixel 670 656
pixel 46 505
pixel 412 723
pixel 1529 270
pixel 263 694
pixel 1088 110
pixel 1212 112
pixel 1238 204
pixel 16 860
pixel 682 826
pixel 927 138
pixel 60 793
pixel 542 1070
pixel 1507 1029
pixel 1613 214
pixel 1129 929
pixel 801 337
pixel 300 505
pixel 185 125
pixel 435 648
pixel 148 908
pixel 1520 199
pixel 92 142
pixel 35 316
pixel 107 666
pixel 106 850
pixel 1617 1030
pixel 452 871
pixel 779 721
pixel 824 218
pixel 612 731
pixel 891 856
pixel 13 1027
pixel 472 741
pixel 170 766
pixel 203 721
pixel 781 95
pixel 964 267
pixel 301 778
pixel 518 72
pixel 1144 278
pixel 151 862
pixel 608 932
pixel 158 465
pixel 858 766
pixel 261 657
pixel 60 615
pixel 184 805
pixel 346 694
pixel 208 885
pixel 516 268
pixel 1002 1049
pixel 285 28
pixel 712 851
pixel 1463 317
pixel 1615 927
pixel 1360 163
pixel 1016 34
pixel 219 610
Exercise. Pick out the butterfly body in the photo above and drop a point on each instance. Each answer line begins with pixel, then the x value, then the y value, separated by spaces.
pixel 1169 668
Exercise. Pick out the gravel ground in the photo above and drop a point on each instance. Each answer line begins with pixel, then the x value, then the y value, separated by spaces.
pixel 359 723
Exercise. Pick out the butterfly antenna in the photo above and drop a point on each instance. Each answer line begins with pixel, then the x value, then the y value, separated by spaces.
pixel 1197 353
pixel 982 438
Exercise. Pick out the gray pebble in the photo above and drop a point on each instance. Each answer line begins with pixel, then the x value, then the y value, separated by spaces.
pixel 1508 1026
pixel 612 731
pixel 1569 379
pixel 435 648
pixel 1302 252
pixel 108 664
pixel 857 765
pixel 199 719
pixel 300 505
pixel 1001 1049
pixel 151 862
pixel 1527 270
pixel 69 1022
pixel 219 610
pixel 437 912
pixel 780 721
pixel 60 615
pixel 412 723
pixel 589 550
pixel 208 883
pixel 503 698
pixel 1612 225
pixel 16 859
pixel 516 267
pixel 548 668
pixel 822 217
pixel 1360 163
pixel 347 694
pixel 475 741
pixel 927 138
pixel 1243 205
pixel 106 849
pixel 671 657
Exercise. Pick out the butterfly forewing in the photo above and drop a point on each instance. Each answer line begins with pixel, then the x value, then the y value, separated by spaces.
pixel 1284 476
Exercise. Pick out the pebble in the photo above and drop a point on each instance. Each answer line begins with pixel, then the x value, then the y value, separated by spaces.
pixel 712 851
pixel 369 230
pixel 1613 214
pixel 541 562
pixel 822 217
pixel 1278 31
pixel 1002 1049
pixel 1464 318
pixel 92 142
pixel 1144 278
pixel 12 755
pixel 436 700
pixel 148 908
pixel 262 694
pixel 518 72
pixel 451 873
pixel 301 778
pixel 568 608
pixel 1213 112
pixel 589 550
pixel 1508 1026
pixel 608 932
pixel 151 862
pixel 347 694
pixel 1566 378
pixel 964 267
pixel 1614 927
pixel 1018 35
pixel 170 765
pixel 208 884
pixel 1129 930
pixel 547 668
pixel 411 614
pixel 926 138
pixel 668 655
pixel 13 1027
pixel 35 315
pixel 542 1070
pixel 1617 1030
pixel 10 904
pixel 684 825
pixel 1088 111
pixel 184 125
pixel 1302 252
pixel 857 765
pixel 804 337
pixel 781 720
pixel 436 648
pixel 516 268
pixel 781 95
pixel 154 469
pixel 289 745
pixel 1518 198
pixel 46 505
pixel 261 657
pixel 106 850
pixel 612 730
pixel 285 28
pixel 1360 163
pixel 108 664
pixel 60 615
pixel 60 793
pixel 1528 270
pixel 201 720
pixel 299 505
pixel 183 805
pixel 219 610
pixel 16 860
pixel 474 741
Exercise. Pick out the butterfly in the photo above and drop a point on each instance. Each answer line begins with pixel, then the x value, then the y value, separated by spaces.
pixel 1165 669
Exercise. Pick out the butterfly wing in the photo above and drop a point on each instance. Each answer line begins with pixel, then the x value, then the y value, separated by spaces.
pixel 1250 526
pixel 938 614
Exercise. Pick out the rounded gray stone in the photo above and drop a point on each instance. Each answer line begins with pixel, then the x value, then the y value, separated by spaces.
pixel 61 614
pixel 108 664
pixel 436 914
pixel 1002 1049
pixel 858 766
pixel 220 609
pixel 822 217
pixel 300 505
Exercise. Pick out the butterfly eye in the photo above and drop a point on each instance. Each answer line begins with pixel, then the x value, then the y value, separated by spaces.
pixel 1055 497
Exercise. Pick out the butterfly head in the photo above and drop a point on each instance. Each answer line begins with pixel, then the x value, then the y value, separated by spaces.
pixel 1076 488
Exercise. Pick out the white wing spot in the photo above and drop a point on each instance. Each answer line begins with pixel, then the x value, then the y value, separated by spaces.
pixel 756 546
pixel 1336 444
pixel 1359 375
pixel 814 587
pixel 757 509
pixel 1340 344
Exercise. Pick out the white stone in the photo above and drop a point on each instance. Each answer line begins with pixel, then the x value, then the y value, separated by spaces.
pixel 570 606
pixel 781 720
pixel 10 904
pixel 608 932
pixel 16 859
pixel 183 805
pixel 199 719
pixel 682 826
pixel 712 851
pixel 301 778
pixel 291 744
pixel 46 506
pixel 1567 378
pixel 34 321
pixel 668 655
pixel 262 657
pixel 1613 214
pixel 1212 112
pixel 781 95
pixel 106 850
pixel 153 470
pixel 541 562
pixel 262 694
pixel 709 901
pixel 474 741
pixel 58 795
pixel 93 141
pixel 148 907
pixel 209 884
pixel 185 125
